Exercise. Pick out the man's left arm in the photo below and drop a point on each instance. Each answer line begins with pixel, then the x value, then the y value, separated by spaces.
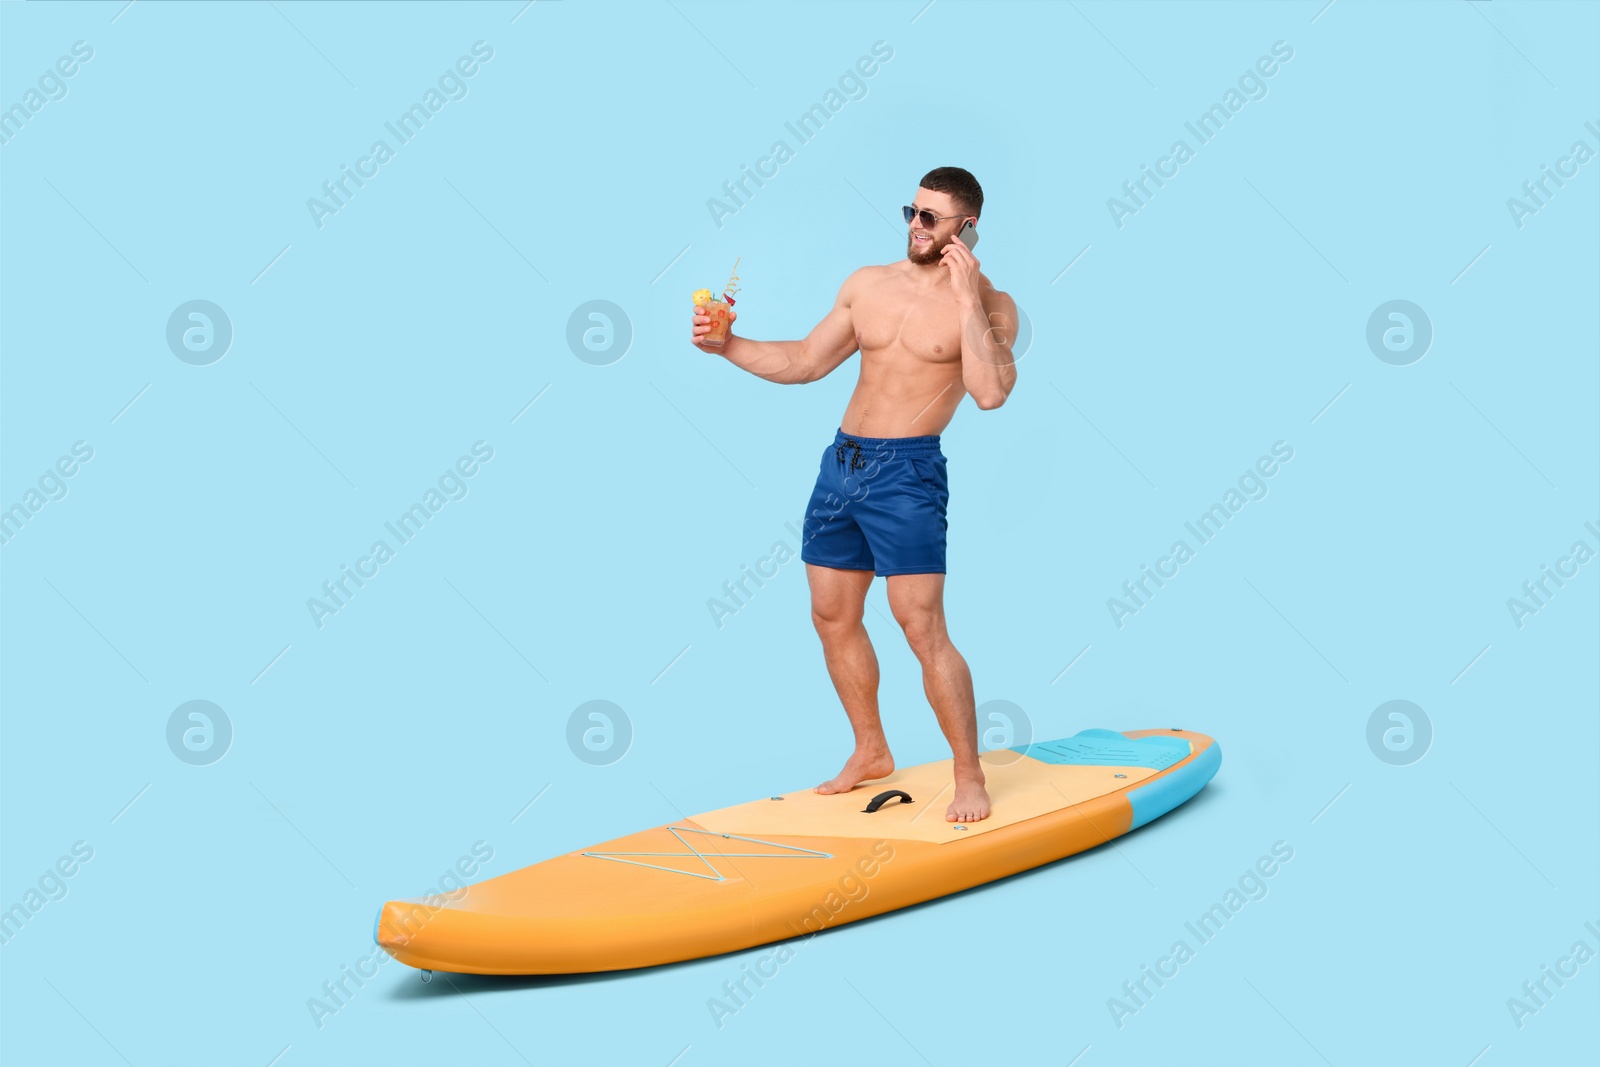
pixel 988 328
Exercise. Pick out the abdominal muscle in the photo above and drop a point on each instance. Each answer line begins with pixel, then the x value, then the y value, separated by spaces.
pixel 900 395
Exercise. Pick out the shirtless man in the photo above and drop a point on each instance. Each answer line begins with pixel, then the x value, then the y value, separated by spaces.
pixel 931 329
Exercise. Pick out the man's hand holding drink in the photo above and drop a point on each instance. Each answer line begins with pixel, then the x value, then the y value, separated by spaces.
pixel 713 319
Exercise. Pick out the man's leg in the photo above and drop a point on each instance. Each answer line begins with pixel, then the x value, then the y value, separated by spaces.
pixel 917 601
pixel 837 597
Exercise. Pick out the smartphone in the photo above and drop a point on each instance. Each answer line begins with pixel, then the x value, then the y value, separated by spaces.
pixel 968 234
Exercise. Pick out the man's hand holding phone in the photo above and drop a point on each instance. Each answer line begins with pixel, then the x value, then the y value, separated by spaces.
pixel 958 259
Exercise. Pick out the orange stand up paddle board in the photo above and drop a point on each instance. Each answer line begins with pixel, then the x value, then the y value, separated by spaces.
pixel 791 865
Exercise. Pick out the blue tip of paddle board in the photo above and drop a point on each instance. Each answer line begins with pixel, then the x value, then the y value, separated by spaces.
pixel 1107 748
pixel 1162 795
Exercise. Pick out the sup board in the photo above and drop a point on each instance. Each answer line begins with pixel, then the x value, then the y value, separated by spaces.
pixel 792 865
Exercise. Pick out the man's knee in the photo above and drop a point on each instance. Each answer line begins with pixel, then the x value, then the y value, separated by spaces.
pixel 924 632
pixel 835 616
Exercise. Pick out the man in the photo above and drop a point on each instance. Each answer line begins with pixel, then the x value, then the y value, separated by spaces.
pixel 930 328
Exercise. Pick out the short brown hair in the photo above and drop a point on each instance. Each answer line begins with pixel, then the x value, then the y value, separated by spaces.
pixel 960 184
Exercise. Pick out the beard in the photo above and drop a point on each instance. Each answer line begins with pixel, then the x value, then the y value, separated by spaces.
pixel 932 255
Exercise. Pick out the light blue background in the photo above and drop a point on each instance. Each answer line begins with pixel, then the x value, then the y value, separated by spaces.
pixel 1229 313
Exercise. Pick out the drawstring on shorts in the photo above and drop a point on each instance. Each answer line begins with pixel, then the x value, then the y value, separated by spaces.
pixel 856 462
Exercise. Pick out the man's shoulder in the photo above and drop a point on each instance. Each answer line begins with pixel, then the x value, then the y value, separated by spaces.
pixel 862 277
pixel 875 270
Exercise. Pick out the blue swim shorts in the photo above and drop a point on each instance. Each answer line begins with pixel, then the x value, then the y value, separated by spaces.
pixel 879 505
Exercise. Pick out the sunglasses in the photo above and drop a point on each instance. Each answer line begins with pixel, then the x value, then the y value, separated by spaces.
pixel 926 217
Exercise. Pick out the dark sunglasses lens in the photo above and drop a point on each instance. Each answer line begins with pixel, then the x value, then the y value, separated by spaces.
pixel 907 212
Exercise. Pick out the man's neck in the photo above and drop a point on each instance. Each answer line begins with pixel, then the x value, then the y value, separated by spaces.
pixel 929 275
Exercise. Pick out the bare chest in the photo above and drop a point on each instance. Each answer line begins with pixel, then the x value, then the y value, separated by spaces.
pixel 900 321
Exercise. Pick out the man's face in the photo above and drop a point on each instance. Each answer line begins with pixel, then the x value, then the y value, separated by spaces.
pixel 923 243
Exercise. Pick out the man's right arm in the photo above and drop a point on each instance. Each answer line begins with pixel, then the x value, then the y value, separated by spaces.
pixel 829 344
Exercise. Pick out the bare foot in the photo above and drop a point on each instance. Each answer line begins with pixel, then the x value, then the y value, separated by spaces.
pixel 858 768
pixel 971 803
